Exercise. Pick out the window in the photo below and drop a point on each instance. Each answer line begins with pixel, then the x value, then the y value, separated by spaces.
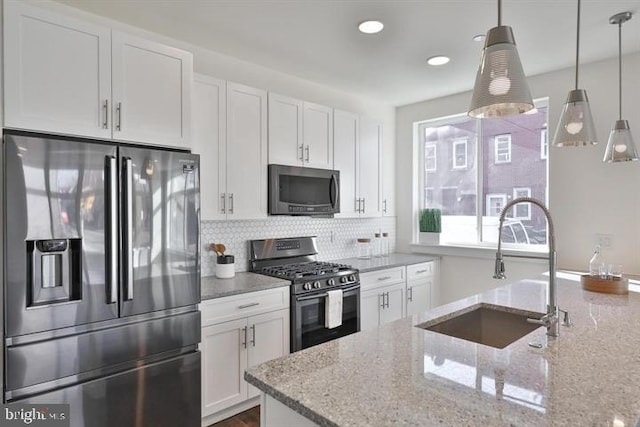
pixel 522 211
pixel 472 193
pixel 430 158
pixel 502 149
pixel 544 143
pixel 495 203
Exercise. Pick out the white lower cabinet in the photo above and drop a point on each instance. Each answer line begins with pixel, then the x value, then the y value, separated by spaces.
pixel 382 297
pixel 239 332
pixel 419 296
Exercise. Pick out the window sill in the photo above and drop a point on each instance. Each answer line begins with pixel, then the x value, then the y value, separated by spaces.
pixel 533 255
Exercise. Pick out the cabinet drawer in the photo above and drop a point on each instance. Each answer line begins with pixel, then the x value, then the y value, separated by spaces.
pixel 238 306
pixel 378 278
pixel 420 270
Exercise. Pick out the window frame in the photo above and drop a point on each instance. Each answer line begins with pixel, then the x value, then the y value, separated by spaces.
pixel 454 143
pixel 524 205
pixel 432 145
pixel 498 140
pixel 488 197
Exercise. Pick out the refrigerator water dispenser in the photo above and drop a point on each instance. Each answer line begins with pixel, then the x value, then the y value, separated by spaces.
pixel 54 273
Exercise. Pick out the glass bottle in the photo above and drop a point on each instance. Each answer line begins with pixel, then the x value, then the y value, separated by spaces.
pixel 363 247
pixel 376 246
pixel 596 264
pixel 384 247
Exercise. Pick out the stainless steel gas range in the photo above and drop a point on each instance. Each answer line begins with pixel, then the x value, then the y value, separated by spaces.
pixel 311 280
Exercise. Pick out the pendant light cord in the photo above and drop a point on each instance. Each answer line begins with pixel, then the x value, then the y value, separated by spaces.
pixel 620 70
pixel 578 45
pixel 499 13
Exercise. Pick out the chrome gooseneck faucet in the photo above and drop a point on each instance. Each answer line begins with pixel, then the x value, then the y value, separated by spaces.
pixel 549 320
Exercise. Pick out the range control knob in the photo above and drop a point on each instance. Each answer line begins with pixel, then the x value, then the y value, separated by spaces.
pixel 306 286
pixel 352 277
pixel 331 282
pixel 344 279
pixel 316 284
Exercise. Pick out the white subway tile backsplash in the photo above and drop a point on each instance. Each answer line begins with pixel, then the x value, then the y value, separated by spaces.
pixel 336 237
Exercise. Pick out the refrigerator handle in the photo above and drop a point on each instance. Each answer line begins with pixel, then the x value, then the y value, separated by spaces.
pixel 112 231
pixel 128 228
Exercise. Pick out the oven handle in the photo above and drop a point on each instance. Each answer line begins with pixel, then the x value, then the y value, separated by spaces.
pixel 324 294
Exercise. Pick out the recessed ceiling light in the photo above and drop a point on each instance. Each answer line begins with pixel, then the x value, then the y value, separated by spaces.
pixel 479 37
pixel 370 27
pixel 438 60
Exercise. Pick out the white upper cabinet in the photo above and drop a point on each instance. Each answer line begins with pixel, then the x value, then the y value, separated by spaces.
pixel 65 75
pixel 246 152
pixel 317 136
pixel 285 131
pixel 345 140
pixel 151 91
pixel 57 73
pixel 208 139
pixel 388 177
pixel 370 167
pixel 300 133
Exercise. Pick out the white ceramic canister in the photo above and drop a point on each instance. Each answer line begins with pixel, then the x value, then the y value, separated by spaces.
pixel 225 267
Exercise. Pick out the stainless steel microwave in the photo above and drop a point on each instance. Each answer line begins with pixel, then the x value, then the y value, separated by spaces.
pixel 295 190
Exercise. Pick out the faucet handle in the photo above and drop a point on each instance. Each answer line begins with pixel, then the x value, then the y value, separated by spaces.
pixel 566 319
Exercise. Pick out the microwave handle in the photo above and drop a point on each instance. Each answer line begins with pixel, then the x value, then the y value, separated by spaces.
pixel 333 192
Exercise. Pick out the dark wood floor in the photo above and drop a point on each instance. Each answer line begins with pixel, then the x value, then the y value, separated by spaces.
pixel 248 418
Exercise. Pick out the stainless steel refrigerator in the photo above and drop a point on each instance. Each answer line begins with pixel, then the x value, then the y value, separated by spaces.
pixel 101 280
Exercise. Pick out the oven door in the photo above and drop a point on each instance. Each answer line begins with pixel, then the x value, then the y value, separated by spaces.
pixel 303 191
pixel 307 318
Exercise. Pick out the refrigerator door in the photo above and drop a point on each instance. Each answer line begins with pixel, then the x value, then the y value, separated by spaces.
pixel 160 208
pixel 60 217
pixel 163 394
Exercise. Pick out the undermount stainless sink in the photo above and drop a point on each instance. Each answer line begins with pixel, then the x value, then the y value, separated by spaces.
pixel 487 324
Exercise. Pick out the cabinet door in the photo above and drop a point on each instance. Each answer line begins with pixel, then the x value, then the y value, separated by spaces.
pixel 224 360
pixel 246 152
pixel 57 73
pixel 369 169
pixel 209 141
pixel 268 339
pixel 318 136
pixel 370 303
pixel 388 176
pixel 285 131
pixel 418 296
pixel 151 91
pixel 345 139
pixel 394 309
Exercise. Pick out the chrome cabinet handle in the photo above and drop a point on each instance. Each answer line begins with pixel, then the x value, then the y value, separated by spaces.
pixel 253 335
pixel 410 294
pixel 364 205
pixel 223 199
pixel 244 332
pixel 119 116
pixel 358 205
pixel 422 271
pixel 308 153
pixel 128 211
pixel 230 203
pixel 386 296
pixel 252 304
pixel 381 296
pixel 384 206
pixel 301 148
pixel 112 223
pixel 105 108
pixel 384 278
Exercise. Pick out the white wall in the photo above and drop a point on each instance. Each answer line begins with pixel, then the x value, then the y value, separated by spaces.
pixel 586 196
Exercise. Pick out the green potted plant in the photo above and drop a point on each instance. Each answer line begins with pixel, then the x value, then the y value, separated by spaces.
pixel 430 226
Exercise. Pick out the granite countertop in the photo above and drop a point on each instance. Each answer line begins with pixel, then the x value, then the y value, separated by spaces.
pixel 401 375
pixel 212 287
pixel 380 263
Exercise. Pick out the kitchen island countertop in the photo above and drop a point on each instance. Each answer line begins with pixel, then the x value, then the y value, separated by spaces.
pixel 402 375
pixel 212 287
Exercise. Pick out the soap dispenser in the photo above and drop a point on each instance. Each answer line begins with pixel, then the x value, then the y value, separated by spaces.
pixel 596 264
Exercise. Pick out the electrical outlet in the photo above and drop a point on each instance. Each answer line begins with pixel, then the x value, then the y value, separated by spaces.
pixel 604 240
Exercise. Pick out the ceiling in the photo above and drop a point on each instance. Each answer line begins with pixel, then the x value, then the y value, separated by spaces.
pixel 317 40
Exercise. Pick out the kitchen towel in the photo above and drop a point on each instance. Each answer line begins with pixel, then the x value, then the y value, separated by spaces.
pixel 333 309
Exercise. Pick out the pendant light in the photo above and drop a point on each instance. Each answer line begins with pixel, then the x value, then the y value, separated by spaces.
pixel 620 147
pixel 501 88
pixel 575 126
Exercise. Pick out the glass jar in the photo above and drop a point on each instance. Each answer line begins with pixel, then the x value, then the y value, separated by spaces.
pixel 376 246
pixel 363 248
pixel 384 245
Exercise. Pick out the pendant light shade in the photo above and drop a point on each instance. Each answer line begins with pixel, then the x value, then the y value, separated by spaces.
pixel 575 126
pixel 620 147
pixel 501 87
